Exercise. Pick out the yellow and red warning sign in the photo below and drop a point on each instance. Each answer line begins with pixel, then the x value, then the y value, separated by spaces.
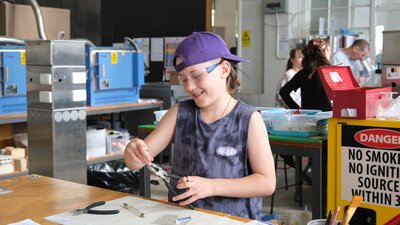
pixel 246 38
pixel 364 160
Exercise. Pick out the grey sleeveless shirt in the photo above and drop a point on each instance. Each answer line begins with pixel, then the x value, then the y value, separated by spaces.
pixel 217 150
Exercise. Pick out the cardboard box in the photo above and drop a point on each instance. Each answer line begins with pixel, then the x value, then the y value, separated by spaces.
pixel 19 21
pixel 20 164
pixel 6 165
pixel 15 152
pixel 349 99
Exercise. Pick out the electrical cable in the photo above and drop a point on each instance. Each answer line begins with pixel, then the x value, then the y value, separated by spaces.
pixel 131 44
pixel 282 25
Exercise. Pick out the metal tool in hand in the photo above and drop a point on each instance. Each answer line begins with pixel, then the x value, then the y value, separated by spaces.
pixel 161 173
pixel 88 210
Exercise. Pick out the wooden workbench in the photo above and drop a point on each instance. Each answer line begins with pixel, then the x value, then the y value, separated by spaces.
pixel 35 197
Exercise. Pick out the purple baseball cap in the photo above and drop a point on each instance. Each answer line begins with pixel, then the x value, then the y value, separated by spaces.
pixel 201 47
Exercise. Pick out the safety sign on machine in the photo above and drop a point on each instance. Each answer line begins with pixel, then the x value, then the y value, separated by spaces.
pixel 370 162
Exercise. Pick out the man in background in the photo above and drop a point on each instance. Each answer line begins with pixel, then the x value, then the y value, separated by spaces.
pixel 353 57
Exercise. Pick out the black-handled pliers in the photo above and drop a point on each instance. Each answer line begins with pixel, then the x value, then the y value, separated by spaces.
pixel 88 210
pixel 161 173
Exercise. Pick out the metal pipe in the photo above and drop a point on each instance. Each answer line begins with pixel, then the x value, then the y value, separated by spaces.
pixel 39 19
pixel 12 41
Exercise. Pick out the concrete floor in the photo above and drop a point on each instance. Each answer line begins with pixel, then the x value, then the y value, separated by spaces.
pixel 284 207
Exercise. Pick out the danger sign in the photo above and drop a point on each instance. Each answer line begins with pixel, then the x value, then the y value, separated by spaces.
pixel 371 164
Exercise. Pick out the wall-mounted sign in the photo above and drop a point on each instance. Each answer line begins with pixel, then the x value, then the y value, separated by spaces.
pixel 246 38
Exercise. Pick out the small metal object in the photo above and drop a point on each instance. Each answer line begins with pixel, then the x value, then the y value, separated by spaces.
pixel 161 173
pixel 132 209
pixel 88 210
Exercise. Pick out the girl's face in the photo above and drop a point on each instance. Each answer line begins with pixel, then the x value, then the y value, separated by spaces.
pixel 297 59
pixel 204 82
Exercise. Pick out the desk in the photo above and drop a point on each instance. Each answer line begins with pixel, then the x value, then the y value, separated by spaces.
pixel 35 197
pixel 315 148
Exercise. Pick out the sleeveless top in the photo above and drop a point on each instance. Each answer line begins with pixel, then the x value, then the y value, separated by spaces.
pixel 216 150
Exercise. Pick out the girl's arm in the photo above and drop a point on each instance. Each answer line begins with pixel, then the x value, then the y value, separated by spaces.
pixel 285 91
pixel 140 152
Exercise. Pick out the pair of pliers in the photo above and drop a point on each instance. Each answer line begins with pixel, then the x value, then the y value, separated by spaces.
pixel 88 210
pixel 161 173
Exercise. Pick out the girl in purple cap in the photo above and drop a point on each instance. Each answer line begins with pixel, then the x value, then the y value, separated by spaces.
pixel 221 147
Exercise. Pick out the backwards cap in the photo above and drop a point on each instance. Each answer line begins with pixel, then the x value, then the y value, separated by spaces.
pixel 201 47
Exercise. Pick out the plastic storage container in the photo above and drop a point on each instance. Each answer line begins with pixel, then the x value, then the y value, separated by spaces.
pixel 159 114
pixel 269 114
pixel 114 137
pixel 300 125
pixel 319 222
pixel 95 142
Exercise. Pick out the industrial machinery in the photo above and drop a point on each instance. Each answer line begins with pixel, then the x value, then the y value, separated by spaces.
pixel 169 93
pixel 56 97
pixel 391 60
pixel 12 80
pixel 114 76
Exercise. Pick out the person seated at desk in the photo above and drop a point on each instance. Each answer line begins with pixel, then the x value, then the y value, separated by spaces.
pixel 221 146
pixel 353 57
pixel 313 96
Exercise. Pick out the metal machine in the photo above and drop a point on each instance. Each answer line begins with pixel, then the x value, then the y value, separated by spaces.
pixel 169 93
pixel 114 75
pixel 391 60
pixel 13 80
pixel 56 95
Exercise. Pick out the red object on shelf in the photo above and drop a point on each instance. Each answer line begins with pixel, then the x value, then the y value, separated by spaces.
pixel 349 99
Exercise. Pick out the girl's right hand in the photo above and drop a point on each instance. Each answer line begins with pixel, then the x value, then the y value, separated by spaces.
pixel 137 152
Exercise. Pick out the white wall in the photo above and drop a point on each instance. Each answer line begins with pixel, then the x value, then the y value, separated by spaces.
pixel 225 17
pixel 250 19
pixel 276 50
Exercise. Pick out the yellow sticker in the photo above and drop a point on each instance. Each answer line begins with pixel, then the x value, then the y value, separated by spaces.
pixel 246 40
pixel 114 57
pixel 23 58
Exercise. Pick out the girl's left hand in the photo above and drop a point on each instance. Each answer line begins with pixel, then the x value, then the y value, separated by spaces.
pixel 197 188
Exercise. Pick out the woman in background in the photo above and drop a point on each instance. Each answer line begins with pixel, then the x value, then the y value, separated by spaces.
pixel 293 66
pixel 316 53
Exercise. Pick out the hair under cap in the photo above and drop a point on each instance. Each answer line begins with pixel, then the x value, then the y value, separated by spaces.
pixel 201 47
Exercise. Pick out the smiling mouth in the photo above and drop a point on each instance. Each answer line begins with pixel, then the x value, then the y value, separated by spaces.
pixel 197 94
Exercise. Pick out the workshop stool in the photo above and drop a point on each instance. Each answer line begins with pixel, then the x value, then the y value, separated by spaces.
pixel 285 168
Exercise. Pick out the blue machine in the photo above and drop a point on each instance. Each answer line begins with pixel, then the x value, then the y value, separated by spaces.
pixel 114 75
pixel 13 80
